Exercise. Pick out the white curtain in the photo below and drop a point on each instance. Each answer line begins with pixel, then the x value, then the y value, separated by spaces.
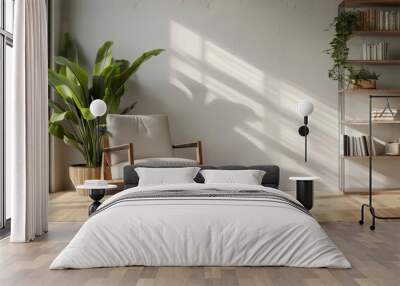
pixel 28 153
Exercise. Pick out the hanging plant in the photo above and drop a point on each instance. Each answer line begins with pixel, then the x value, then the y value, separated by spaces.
pixel 344 24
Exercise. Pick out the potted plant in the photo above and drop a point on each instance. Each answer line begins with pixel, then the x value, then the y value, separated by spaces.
pixel 71 119
pixel 362 79
pixel 343 24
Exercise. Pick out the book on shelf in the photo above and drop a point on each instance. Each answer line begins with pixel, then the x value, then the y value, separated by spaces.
pixel 375 51
pixel 377 19
pixel 365 143
pixel 357 146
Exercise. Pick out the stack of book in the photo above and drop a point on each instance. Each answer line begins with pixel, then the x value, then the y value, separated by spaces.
pixel 386 115
pixel 379 20
pixel 375 51
pixel 357 146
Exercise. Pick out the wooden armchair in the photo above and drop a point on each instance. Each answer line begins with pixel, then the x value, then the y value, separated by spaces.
pixel 152 145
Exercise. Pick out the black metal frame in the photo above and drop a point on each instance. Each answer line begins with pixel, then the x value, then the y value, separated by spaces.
pixel 304 131
pixel 370 193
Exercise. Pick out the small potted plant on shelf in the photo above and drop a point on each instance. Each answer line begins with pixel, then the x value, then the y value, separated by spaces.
pixel 71 119
pixel 362 79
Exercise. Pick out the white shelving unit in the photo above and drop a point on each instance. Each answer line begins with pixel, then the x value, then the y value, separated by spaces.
pixel 343 93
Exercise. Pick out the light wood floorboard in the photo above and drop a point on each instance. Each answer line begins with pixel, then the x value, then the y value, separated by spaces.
pixel 375 257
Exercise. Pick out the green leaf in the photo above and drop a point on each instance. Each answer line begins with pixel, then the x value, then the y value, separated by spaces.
pixel 55 106
pixel 73 143
pixel 113 99
pixel 108 98
pixel 57 117
pixel 114 69
pixel 120 79
pixel 66 88
pixel 87 114
pixel 109 74
pixel 77 71
pixel 70 92
pixel 69 49
pixel 123 65
pixel 103 58
pixel 56 130
pixel 98 88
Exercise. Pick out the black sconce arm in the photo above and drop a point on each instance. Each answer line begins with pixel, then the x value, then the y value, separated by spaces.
pixel 304 131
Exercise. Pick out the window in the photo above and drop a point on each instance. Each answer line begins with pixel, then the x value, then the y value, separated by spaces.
pixel 9 15
pixel 6 65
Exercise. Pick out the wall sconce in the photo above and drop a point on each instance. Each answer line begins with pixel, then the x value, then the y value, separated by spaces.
pixel 305 108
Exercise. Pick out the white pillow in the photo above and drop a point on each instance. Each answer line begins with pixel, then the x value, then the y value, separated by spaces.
pixel 248 177
pixel 165 176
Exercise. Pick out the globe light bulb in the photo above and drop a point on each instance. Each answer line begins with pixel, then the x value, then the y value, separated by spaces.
pixel 98 107
pixel 305 108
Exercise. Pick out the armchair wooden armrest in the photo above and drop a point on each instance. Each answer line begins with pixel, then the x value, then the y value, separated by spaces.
pixel 106 160
pixel 197 145
pixel 128 147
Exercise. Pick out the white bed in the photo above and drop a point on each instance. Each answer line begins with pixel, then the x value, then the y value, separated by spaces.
pixel 202 231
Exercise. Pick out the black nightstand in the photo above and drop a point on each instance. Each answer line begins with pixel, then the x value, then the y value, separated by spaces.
pixel 96 193
pixel 305 190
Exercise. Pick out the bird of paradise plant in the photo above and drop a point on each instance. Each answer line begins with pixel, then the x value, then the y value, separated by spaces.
pixel 71 120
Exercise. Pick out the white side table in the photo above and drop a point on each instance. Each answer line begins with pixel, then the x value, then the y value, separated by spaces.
pixel 96 194
pixel 305 190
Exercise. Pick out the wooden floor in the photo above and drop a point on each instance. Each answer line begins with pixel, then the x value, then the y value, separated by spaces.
pixel 375 256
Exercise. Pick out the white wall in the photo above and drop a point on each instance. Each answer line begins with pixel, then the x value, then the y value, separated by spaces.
pixel 232 75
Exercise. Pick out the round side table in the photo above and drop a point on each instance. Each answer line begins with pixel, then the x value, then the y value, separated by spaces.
pixel 305 190
pixel 96 194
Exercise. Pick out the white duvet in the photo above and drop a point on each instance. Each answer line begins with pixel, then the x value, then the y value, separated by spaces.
pixel 193 231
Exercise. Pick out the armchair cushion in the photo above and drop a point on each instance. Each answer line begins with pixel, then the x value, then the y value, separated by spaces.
pixel 117 170
pixel 149 134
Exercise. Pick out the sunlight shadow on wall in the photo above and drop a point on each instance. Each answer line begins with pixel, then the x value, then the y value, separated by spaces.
pixel 185 41
pixel 189 71
pixel 234 67
pixel 253 139
pixel 220 90
pixel 255 109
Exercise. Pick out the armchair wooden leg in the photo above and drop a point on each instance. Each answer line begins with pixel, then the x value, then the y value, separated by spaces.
pixel 199 153
pixel 130 154
pixel 103 166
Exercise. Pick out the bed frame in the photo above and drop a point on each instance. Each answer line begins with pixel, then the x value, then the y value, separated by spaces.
pixel 270 179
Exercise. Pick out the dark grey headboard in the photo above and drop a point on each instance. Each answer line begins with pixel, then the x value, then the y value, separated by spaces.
pixel 270 179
